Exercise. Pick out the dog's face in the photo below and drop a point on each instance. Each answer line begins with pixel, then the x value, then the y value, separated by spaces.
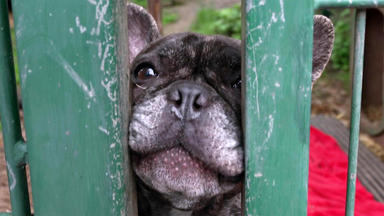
pixel 185 130
pixel 185 125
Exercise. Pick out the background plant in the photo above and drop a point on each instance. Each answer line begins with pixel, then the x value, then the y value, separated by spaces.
pixel 167 16
pixel 341 49
pixel 226 21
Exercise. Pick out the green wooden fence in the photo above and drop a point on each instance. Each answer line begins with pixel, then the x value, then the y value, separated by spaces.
pixel 73 71
pixel 277 52
pixel 71 65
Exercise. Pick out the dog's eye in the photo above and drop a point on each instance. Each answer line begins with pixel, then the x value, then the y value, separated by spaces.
pixel 237 84
pixel 146 73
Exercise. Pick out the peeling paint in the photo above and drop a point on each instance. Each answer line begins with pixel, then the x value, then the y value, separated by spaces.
pixel 256 85
pixel 276 59
pixel 101 10
pixel 99 46
pixel 102 129
pixel 259 42
pixel 105 42
pixel 250 5
pixel 20 26
pixel 81 28
pixel 112 95
pixel 105 56
pixel 87 89
pixel 270 128
pixel 282 15
pixel 266 120
pixel 12 177
pixel 274 18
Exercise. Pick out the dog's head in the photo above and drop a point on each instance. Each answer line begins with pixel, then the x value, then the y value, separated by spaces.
pixel 185 130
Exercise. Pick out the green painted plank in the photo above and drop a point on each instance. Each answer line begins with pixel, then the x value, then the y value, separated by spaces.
pixel 348 3
pixel 5 214
pixel 277 72
pixel 355 111
pixel 10 120
pixel 70 76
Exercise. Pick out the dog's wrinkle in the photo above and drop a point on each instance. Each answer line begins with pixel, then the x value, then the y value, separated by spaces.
pixel 221 152
pixel 151 126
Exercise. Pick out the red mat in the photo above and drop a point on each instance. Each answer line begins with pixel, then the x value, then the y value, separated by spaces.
pixel 327 181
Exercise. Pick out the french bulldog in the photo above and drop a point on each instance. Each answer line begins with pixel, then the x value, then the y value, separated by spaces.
pixel 185 132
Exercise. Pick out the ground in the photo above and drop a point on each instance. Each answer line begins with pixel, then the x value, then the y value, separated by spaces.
pixel 4 192
pixel 330 96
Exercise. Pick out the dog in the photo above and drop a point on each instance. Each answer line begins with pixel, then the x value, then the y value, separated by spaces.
pixel 185 131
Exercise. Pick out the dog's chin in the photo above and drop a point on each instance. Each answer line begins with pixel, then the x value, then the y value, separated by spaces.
pixel 186 203
pixel 183 180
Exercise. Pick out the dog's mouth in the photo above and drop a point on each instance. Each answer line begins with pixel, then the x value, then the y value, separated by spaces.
pixel 178 162
pixel 182 178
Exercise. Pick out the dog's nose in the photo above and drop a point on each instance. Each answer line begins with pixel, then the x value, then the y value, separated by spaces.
pixel 188 100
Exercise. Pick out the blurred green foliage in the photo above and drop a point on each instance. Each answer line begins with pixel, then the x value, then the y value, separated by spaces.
pixel 16 65
pixel 341 48
pixel 226 21
pixel 142 3
pixel 167 16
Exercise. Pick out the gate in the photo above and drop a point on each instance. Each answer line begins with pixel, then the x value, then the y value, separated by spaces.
pixel 74 86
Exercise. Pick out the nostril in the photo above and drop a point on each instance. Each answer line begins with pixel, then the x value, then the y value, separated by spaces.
pixel 200 101
pixel 176 97
pixel 179 101
pixel 196 106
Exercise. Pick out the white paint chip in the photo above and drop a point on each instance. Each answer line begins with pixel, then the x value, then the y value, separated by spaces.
pixel 282 15
pixel 274 19
pixel 81 28
pixel 88 90
pixel 102 129
pixel 12 177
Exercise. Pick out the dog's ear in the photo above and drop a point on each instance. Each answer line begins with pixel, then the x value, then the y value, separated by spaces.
pixel 142 29
pixel 323 37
